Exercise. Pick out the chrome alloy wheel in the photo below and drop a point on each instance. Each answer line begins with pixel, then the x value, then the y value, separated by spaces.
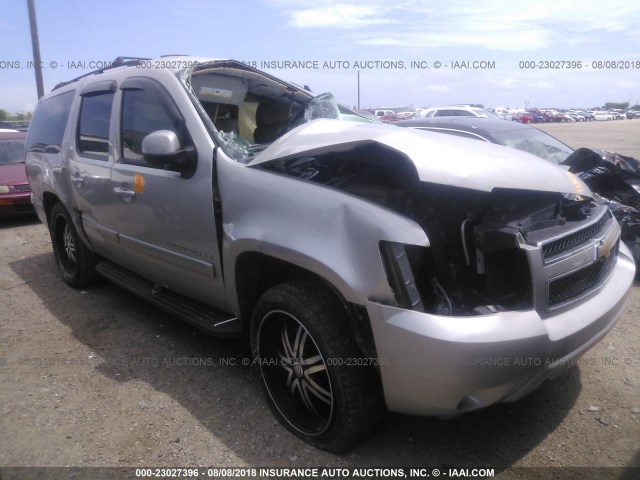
pixel 295 373
pixel 69 243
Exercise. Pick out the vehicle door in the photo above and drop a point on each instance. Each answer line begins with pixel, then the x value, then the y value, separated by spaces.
pixel 90 160
pixel 165 218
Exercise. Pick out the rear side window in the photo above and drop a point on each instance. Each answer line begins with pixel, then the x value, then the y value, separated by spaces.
pixel 93 126
pixel 48 124
pixel 11 151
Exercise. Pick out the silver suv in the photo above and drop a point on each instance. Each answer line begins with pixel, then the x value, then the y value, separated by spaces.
pixel 367 267
pixel 457 111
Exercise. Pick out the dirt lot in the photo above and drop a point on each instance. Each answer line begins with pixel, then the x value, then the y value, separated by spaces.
pixel 620 136
pixel 97 378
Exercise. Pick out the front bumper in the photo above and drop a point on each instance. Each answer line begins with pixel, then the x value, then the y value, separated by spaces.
pixel 442 366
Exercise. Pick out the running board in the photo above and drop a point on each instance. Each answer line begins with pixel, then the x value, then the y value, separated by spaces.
pixel 204 317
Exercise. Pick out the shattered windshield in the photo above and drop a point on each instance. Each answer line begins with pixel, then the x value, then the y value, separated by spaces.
pixel 246 110
pixel 535 142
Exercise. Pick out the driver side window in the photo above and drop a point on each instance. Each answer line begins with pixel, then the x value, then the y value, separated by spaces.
pixel 145 111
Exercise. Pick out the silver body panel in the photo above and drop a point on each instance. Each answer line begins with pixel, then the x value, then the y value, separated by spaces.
pixel 459 163
pixel 165 231
pixel 435 365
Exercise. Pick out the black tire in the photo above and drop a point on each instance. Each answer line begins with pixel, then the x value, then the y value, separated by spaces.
pixel 306 356
pixel 75 261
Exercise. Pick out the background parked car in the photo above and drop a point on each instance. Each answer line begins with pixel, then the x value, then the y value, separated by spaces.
pixel 548 117
pixel 15 193
pixel 509 134
pixel 552 115
pixel 614 177
pixel 391 117
pixel 503 113
pixel 528 117
pixel 522 117
pixel 600 115
pixel 537 118
pixel 575 116
pixel 456 111
pixel 588 117
pixel 382 113
pixel 367 114
pixel 562 117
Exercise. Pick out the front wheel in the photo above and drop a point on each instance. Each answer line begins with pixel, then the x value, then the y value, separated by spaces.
pixel 315 378
pixel 76 262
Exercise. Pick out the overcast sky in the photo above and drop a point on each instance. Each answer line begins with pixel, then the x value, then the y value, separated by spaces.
pixel 396 45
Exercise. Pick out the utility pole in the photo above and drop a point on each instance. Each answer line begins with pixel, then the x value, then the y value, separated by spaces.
pixel 358 89
pixel 35 43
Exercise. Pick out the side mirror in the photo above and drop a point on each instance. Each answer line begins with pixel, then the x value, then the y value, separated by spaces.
pixel 162 148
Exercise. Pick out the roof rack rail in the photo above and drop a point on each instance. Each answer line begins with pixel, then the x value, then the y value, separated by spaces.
pixel 123 61
pixel 118 62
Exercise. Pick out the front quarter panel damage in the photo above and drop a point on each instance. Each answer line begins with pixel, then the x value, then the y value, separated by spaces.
pixel 323 230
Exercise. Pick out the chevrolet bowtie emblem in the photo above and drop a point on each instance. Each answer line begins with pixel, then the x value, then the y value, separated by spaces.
pixel 603 249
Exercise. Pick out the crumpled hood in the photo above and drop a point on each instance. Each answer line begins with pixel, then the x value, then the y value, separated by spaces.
pixel 438 158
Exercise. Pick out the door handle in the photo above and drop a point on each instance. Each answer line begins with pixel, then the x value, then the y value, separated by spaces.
pixel 77 180
pixel 125 193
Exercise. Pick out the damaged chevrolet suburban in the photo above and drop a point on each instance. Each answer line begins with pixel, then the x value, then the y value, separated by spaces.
pixel 367 267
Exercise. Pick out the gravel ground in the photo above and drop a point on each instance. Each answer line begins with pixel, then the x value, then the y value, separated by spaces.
pixel 97 378
pixel 620 136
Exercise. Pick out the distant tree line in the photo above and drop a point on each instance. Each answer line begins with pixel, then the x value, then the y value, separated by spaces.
pixel 620 106
pixel 4 115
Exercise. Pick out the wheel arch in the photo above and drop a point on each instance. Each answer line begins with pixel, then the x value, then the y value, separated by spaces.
pixel 49 199
pixel 256 272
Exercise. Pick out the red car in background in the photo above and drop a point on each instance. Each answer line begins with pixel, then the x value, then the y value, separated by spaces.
pixel 523 117
pixel 15 192
pixel 548 115
pixel 390 117
pixel 528 117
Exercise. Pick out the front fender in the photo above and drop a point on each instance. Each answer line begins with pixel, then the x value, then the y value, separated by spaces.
pixel 325 231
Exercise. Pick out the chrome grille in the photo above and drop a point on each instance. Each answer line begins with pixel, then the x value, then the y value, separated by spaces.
pixel 573 240
pixel 581 282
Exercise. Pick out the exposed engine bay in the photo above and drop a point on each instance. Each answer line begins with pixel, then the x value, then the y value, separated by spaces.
pixel 475 263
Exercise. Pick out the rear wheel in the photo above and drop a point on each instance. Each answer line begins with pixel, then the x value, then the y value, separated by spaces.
pixel 317 382
pixel 75 261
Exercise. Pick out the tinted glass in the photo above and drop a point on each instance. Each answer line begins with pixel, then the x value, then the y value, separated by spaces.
pixel 534 141
pixel 93 130
pixel 11 151
pixel 48 124
pixel 144 112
